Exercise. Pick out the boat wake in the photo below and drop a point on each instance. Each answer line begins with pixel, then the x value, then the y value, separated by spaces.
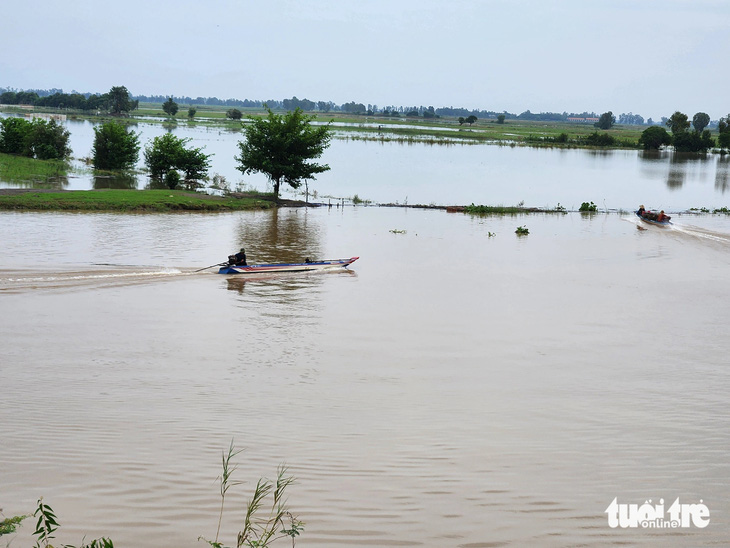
pixel 702 233
pixel 26 280
pixel 687 232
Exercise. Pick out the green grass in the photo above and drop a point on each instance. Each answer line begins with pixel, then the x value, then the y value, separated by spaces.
pixel 130 201
pixel 28 170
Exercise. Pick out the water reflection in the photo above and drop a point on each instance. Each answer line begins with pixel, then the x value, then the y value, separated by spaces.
pixel 598 152
pixel 281 282
pixel 722 174
pixel 654 155
pixel 677 173
pixel 680 166
pixel 280 236
pixel 681 163
pixel 57 182
pixel 115 180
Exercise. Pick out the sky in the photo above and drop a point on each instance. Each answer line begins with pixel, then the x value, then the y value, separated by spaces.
pixel 648 57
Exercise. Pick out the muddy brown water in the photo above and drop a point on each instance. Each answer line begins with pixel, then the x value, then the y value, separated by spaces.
pixel 450 389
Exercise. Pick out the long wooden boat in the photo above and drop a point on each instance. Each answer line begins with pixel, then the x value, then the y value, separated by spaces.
pixel 287 267
pixel 652 221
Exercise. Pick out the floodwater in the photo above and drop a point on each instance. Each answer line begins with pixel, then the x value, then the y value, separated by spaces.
pixel 451 389
pixel 451 174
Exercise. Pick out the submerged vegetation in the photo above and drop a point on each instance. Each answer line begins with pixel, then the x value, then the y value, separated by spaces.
pixel 509 210
pixel 721 210
pixel 588 207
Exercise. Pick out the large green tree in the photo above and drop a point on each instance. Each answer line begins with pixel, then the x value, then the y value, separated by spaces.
pixel 606 120
pixel 167 155
pixel 678 122
pixel 282 147
pixel 723 140
pixel 170 107
pixel 114 146
pixel 118 100
pixel 700 121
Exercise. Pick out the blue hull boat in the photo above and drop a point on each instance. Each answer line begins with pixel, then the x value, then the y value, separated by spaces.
pixel 652 221
pixel 287 267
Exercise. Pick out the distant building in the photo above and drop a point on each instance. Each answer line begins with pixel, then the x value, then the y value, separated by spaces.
pixel 25 107
pixel 581 120
pixel 57 117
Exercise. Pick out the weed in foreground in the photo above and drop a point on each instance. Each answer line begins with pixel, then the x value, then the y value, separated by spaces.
pixel 260 528
pixel 46 525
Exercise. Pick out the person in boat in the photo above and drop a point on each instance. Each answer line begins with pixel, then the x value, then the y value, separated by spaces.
pixel 662 217
pixel 238 259
pixel 641 211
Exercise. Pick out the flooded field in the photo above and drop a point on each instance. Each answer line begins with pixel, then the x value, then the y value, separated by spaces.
pixel 458 386
pixel 450 174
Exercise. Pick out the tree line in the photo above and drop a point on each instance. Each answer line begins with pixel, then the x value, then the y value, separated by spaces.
pixel 281 146
pixel 55 98
pixel 687 136
pixel 116 101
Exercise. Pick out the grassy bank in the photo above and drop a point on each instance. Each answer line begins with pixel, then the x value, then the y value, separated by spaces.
pixel 29 170
pixel 128 201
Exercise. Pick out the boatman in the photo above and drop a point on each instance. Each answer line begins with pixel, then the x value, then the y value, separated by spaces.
pixel 239 259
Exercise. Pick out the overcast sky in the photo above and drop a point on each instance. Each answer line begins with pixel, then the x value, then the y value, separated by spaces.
pixel 642 56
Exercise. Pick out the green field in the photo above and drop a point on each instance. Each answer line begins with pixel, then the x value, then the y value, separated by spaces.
pixel 385 128
pixel 128 201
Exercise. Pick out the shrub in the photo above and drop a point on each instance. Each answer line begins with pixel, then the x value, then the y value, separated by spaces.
pixel 41 139
pixel 168 152
pixel 588 207
pixel 13 132
pixel 654 137
pixel 599 139
pixel 114 147
pixel 234 114
pixel 692 141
